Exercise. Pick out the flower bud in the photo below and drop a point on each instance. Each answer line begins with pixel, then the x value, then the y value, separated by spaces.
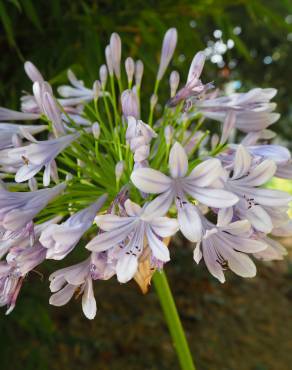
pixel 153 101
pixel 95 130
pixel 96 89
pixel 69 176
pixel 139 73
pixel 32 72
pixel 214 141
pixel 116 51
pixel 103 75
pixel 173 83
pixel 119 169
pixel 109 60
pixel 168 47
pixel 130 69
pixel 33 184
pixel 53 113
pixel 168 134
pixel 130 106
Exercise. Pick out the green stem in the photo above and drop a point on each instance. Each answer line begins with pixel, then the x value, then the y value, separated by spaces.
pixel 173 321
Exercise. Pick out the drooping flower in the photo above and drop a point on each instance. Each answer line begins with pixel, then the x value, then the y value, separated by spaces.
pixel 225 246
pixel 253 109
pixel 77 93
pixel 17 209
pixel 255 204
pixel 59 240
pixel 78 279
pixel 37 155
pixel 130 233
pixel 198 185
pixel 9 130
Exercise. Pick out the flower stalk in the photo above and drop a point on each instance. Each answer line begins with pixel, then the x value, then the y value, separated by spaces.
pixel 173 321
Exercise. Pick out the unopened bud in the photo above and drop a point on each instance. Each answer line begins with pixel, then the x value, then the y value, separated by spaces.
pixel 103 75
pixel 116 51
pixel 130 106
pixel 119 169
pixel 109 60
pixel 53 113
pixel 130 69
pixel 214 141
pixel 168 134
pixel 168 47
pixel 153 101
pixel 33 184
pixel 96 89
pixel 32 72
pixel 95 130
pixel 139 73
pixel 173 83
pixel 69 176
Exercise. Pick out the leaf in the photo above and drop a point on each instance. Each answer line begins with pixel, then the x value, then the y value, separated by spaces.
pixel 31 13
pixel 6 21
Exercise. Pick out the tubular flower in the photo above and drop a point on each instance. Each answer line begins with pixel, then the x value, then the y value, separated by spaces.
pixel 126 185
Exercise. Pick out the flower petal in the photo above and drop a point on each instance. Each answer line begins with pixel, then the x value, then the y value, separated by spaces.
pixel 159 206
pixel 259 219
pixel 158 248
pixel 260 174
pixel 63 296
pixel 111 222
pixel 164 226
pixel 150 181
pixel 88 300
pixel 126 267
pixel 109 239
pixel 205 173
pixel 217 198
pixel 242 162
pixel 178 161
pixel 190 223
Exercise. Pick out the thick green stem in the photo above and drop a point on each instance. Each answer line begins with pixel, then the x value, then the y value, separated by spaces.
pixel 173 321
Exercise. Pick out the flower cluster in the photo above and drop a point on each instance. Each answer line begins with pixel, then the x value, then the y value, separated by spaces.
pixel 123 186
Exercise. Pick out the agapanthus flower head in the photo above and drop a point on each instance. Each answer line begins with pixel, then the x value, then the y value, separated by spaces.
pixel 128 182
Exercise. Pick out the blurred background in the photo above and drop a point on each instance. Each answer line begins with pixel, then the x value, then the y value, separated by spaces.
pixel 241 325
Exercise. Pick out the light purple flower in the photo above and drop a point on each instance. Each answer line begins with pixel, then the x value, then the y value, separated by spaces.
pixel 75 94
pixel 130 104
pixel 130 232
pixel 37 155
pixel 116 52
pixel 198 185
pixel 130 69
pixel 59 240
pixel 168 47
pixel 139 73
pixel 9 130
pixel 253 109
pixel 10 286
pixel 274 251
pixel 255 204
pixel 17 209
pixel 78 278
pixel 194 86
pixel 225 247
pixel 32 72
